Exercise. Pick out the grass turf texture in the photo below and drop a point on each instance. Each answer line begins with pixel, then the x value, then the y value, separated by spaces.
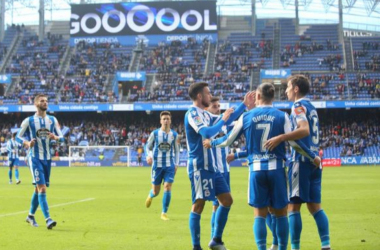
pixel 117 217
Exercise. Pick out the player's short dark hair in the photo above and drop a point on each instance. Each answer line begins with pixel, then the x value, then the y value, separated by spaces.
pixel 302 82
pixel 165 113
pixel 196 88
pixel 267 91
pixel 38 96
pixel 215 99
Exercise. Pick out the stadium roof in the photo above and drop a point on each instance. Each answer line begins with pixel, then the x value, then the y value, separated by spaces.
pixel 357 14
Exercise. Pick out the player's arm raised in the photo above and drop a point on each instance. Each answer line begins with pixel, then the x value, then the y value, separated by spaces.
pixel 300 132
pixel 208 132
pixel 228 139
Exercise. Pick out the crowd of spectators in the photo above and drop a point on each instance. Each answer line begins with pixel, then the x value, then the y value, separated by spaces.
pixel 239 57
pixel 170 57
pixel 368 48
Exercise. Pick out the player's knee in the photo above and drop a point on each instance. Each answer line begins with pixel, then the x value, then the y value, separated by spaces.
pixel 314 207
pixel 294 207
pixel 42 189
pixel 227 201
pixel 167 186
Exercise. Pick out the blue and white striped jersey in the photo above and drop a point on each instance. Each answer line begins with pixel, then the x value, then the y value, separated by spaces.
pixel 198 156
pixel 303 110
pixel 220 154
pixel 37 127
pixel 258 125
pixel 163 148
pixel 13 147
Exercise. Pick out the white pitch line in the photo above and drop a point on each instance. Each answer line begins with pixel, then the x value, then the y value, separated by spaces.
pixel 58 205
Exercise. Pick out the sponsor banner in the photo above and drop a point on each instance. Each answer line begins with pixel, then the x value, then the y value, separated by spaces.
pixel 331 162
pixel 361 160
pixel 353 104
pixel 125 22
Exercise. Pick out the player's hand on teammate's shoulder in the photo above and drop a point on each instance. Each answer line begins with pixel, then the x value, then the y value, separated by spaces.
pixel 250 100
pixel 227 114
pixel 230 157
pixel 273 142
pixel 207 143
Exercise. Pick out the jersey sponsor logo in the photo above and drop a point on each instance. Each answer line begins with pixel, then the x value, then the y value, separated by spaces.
pixel 164 147
pixel 299 110
pixel 43 133
pixel 197 120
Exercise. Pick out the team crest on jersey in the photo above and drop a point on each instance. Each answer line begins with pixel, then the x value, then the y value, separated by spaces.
pixel 197 120
pixel 207 193
pixel 43 133
pixel 193 112
pixel 164 147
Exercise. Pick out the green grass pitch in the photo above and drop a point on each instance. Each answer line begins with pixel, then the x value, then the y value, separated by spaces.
pixel 116 218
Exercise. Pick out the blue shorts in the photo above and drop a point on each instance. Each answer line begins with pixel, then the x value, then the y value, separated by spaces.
pixel 164 173
pixel 40 171
pixel 12 162
pixel 268 188
pixel 304 183
pixel 207 185
pixel 226 176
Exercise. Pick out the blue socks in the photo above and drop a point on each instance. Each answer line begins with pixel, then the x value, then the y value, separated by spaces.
pixel 195 228
pixel 10 174
pixel 151 194
pixel 295 225
pixel 322 221
pixel 16 174
pixel 282 232
pixel 213 223
pixel 166 201
pixel 260 233
pixel 34 204
pixel 273 228
pixel 43 204
pixel 221 216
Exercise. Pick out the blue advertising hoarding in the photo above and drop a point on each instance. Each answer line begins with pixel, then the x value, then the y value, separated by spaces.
pixel 179 106
pixel 6 79
pixel 275 73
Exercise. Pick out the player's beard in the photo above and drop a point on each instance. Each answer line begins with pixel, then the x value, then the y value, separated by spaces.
pixel 42 108
pixel 205 104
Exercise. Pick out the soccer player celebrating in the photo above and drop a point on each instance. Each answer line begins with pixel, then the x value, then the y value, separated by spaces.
pixel 162 149
pixel 41 128
pixel 12 148
pixel 206 180
pixel 304 179
pixel 267 179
